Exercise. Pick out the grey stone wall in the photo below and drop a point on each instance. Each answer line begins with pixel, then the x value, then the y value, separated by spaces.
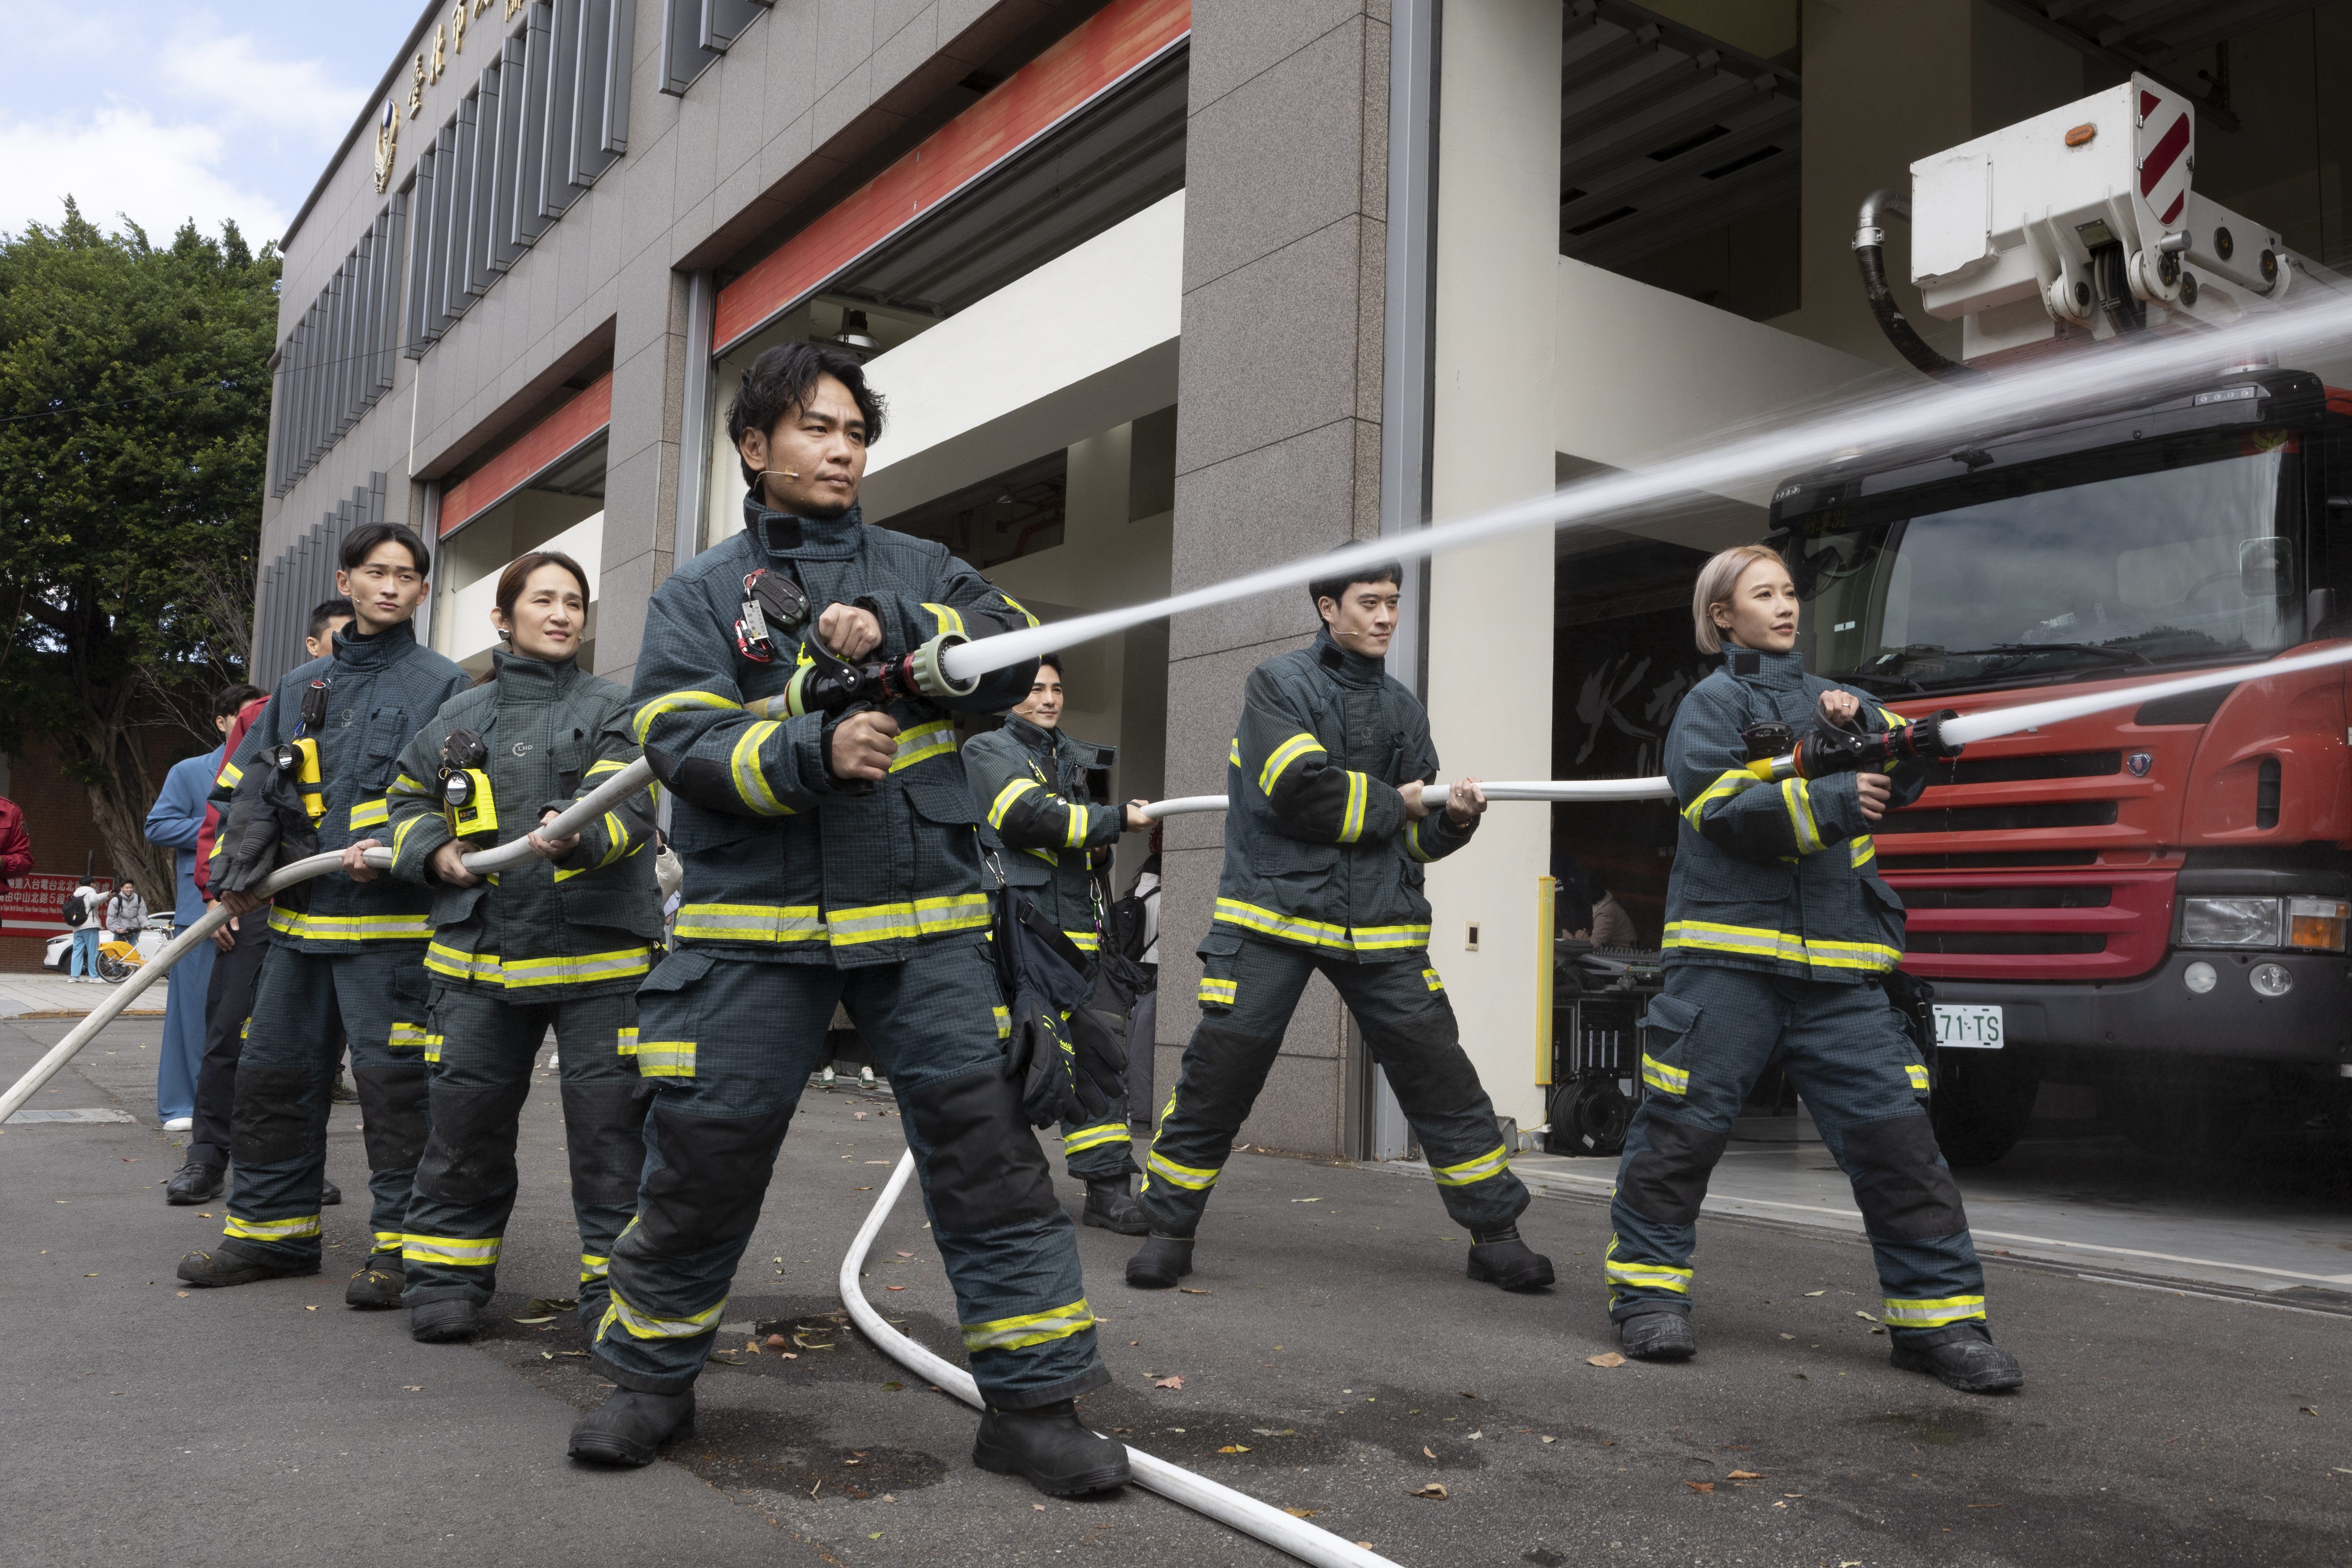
pixel 1277 443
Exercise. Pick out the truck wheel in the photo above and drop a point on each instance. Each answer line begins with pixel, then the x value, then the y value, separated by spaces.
pixel 1980 1108
pixel 2178 1119
pixel 1591 1118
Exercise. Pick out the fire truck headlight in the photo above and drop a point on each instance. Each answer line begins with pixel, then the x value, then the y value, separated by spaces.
pixel 2199 977
pixel 2317 923
pixel 2270 980
pixel 2229 923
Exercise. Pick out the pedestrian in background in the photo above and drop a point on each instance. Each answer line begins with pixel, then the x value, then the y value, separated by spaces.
pixel 15 844
pixel 126 913
pixel 176 821
pixel 83 913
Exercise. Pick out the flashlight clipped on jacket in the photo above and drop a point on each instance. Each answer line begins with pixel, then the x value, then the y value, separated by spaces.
pixel 465 785
pixel 1774 751
pixel 297 759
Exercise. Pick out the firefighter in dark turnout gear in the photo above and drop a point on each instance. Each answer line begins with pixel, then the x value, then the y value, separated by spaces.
pixel 831 858
pixel 560 942
pixel 1326 837
pixel 346 959
pixel 1778 937
pixel 1030 778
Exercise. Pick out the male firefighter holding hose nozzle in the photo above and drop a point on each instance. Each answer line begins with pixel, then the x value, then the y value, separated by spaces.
pixel 832 854
pixel 1780 946
pixel 1325 841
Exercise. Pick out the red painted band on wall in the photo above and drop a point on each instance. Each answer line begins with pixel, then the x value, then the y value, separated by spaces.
pixel 532 453
pixel 1117 40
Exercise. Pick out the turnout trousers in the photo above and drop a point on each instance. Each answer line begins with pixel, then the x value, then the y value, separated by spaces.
pixel 308 1007
pixel 1710 1035
pixel 1103 1148
pixel 1248 990
pixel 729 1045
pixel 228 1003
pixel 478 1071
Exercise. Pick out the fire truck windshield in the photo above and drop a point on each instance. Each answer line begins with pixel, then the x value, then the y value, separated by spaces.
pixel 2094 564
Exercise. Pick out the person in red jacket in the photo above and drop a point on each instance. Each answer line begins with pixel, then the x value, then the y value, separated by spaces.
pixel 15 844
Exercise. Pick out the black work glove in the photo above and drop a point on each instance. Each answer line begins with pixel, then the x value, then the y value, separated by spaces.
pixel 1044 1056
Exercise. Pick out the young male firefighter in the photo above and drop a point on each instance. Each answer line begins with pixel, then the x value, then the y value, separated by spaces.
pixel 830 856
pixel 1778 933
pixel 346 960
pixel 1325 841
pixel 1031 779
pixel 558 942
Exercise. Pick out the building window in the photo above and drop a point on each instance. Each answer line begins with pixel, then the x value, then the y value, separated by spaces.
pixel 338 360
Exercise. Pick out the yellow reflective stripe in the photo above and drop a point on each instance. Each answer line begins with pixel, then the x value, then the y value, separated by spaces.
pixel 1797 799
pixel 1894 721
pixel 1086 1137
pixel 618 964
pixel 433 1044
pixel 1787 947
pixel 405 1035
pixel 1386 938
pixel 400 835
pixel 1728 783
pixel 1218 991
pixel 923 742
pixel 604 765
pixel 1004 1016
pixel 370 814
pixel 1663 1077
pixel 1233 752
pixel 1017 605
pixel 592 1267
pixel 1652 1275
pixel 1285 754
pixel 1159 1164
pixel 645 1326
pixel 1005 797
pixel 1030 1328
pixel 949 618
pixel 625 1043
pixel 1861 852
pixel 455 1251
pixel 1494 1162
pixel 673 702
pixel 924 917
pixel 750 923
pixel 1351 823
pixel 461 965
pixel 305 927
pixel 1430 978
pixel 1413 843
pixel 664 1059
pixel 387 1241
pixel 1085 941
pixel 1933 1313
pixel 294 1229
pixel 1320 934
pixel 228 775
pixel 751 779
pixel 1918 1076
pixel 616 840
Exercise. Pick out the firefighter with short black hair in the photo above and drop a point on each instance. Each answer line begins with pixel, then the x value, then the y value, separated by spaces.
pixel 1326 837
pixel 1780 942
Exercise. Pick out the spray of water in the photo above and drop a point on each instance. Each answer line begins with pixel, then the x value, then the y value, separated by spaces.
pixel 1927 415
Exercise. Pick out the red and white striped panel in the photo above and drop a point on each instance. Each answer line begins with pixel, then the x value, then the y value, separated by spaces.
pixel 2163 143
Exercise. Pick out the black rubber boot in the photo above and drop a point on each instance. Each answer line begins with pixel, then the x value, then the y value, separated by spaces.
pixel 630 1428
pixel 1158 1263
pixel 1050 1449
pixel 1111 1205
pixel 194 1182
pixel 449 1321
pixel 377 1286
pixel 1964 1358
pixel 1658 1336
pixel 232 1265
pixel 329 1194
pixel 1500 1258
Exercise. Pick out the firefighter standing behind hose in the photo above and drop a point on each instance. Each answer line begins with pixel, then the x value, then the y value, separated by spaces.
pixel 831 856
pixel 560 942
pixel 1778 937
pixel 346 960
pixel 1030 777
pixel 1325 842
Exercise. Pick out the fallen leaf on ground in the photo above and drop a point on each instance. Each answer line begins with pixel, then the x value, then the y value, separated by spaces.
pixel 858 1116
pixel 893 1386
pixel 906 1255
pixel 1700 1485
pixel 1425 1448
pixel 1038 1506
pixel 180 1293
pixel 1431 1490
pixel 878 1162
pixel 546 1320
pixel 1301 1513
pixel 1233 1448
pixel 1816 1292
pixel 1787 1336
pixel 413 1388
pixel 725 1359
pixel 1189 1290
pixel 894 1286
pixel 306 1309
pixel 2307 1410
pixel 1606 1358
pixel 1861 1314
pixel 1173 1380
pixel 1270 1432
pixel 1306 1200
pixel 861 1189
pixel 1549 1439
pixel 552 1304
pixel 1746 1475
pixel 1878 1331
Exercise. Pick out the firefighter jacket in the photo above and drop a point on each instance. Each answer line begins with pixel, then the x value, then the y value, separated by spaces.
pixel 1319 850
pixel 784 862
pixel 542 931
pixel 376 691
pixel 1780 877
pixel 1032 784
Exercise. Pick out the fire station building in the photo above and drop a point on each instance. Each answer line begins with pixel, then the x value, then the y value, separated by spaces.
pixel 1160 291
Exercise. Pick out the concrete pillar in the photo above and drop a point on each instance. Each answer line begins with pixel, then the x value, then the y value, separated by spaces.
pixel 1490 647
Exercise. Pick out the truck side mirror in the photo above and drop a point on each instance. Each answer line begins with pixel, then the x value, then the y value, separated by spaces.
pixel 2265 568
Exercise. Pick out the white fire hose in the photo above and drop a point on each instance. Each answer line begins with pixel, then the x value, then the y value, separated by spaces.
pixel 1238 1511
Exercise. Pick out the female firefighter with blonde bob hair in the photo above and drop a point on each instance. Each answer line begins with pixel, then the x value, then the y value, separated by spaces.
pixel 1780 945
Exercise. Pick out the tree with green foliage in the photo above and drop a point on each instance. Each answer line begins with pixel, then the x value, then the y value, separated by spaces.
pixel 134 427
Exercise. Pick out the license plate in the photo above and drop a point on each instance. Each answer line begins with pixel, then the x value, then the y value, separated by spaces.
pixel 1960 1026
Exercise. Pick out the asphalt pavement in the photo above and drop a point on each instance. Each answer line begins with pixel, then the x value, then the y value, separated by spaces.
pixel 1332 1358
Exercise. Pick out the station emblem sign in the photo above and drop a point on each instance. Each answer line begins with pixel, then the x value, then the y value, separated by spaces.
pixel 387 143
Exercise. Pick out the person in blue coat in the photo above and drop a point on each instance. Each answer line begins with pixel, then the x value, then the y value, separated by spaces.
pixel 174 823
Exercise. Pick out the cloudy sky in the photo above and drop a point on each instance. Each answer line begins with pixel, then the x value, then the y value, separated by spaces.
pixel 164 112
